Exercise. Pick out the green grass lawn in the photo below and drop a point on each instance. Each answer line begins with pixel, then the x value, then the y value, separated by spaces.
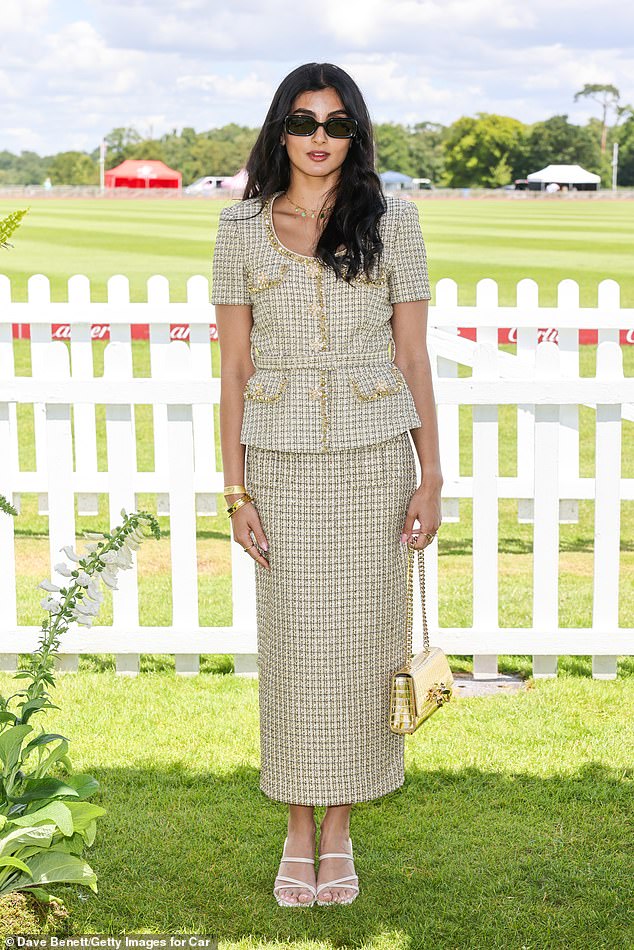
pixel 466 240
pixel 513 829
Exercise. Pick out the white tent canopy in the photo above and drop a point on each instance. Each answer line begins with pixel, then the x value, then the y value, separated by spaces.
pixel 565 175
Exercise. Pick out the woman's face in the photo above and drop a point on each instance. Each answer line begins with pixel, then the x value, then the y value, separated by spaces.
pixel 321 104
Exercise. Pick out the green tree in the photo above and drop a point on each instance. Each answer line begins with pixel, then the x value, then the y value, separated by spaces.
pixel 427 146
pixel 557 142
pixel 626 152
pixel 119 143
pixel 27 168
pixel 393 148
pixel 482 151
pixel 73 168
pixel 149 149
pixel 608 98
pixel 236 141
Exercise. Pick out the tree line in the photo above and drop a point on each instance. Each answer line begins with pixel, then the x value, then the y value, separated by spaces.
pixel 485 150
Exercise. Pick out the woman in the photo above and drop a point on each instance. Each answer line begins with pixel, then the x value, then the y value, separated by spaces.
pixel 319 281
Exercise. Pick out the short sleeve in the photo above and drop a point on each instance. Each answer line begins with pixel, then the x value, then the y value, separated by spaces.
pixel 229 277
pixel 407 274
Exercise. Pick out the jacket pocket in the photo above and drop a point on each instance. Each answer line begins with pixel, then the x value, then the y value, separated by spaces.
pixel 265 386
pixel 380 280
pixel 267 278
pixel 369 382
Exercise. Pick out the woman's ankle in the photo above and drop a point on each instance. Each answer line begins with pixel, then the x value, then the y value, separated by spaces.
pixel 336 822
pixel 302 823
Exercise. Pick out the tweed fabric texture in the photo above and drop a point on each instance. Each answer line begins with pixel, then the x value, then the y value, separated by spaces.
pixel 323 350
pixel 331 616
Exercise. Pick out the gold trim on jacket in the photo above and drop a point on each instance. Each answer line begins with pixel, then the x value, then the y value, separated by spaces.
pixel 322 349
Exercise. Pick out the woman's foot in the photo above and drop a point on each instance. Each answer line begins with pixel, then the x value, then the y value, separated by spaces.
pixel 300 844
pixel 335 836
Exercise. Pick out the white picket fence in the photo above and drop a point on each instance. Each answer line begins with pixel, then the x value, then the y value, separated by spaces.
pixel 542 381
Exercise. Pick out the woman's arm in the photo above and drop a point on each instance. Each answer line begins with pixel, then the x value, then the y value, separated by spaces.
pixel 409 329
pixel 234 324
pixel 234 332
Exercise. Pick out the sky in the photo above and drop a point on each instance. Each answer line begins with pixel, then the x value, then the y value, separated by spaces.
pixel 72 71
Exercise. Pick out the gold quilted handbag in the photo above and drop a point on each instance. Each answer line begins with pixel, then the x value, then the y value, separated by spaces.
pixel 424 683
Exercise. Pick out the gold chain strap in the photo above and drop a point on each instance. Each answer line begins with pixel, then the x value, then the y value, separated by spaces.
pixel 410 597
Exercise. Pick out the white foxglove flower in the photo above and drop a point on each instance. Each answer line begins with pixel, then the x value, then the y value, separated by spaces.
pixel 83 579
pixel 93 591
pixel 51 605
pixel 124 559
pixel 84 621
pixel 87 610
pixel 109 580
pixel 108 556
pixel 70 552
pixel 91 546
pixel 90 600
pixel 63 569
pixel 46 585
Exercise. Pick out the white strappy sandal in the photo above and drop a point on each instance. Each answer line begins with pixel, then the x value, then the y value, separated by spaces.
pixel 292 880
pixel 339 880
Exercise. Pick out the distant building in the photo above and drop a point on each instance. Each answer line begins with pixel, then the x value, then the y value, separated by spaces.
pixel 142 173
pixel 566 176
pixel 396 180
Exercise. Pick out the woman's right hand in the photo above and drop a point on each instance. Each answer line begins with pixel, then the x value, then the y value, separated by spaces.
pixel 244 521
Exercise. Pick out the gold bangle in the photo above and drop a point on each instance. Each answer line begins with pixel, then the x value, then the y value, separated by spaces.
pixel 245 499
pixel 233 489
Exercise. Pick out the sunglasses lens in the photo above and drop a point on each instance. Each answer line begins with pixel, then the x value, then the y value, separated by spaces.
pixel 300 125
pixel 341 128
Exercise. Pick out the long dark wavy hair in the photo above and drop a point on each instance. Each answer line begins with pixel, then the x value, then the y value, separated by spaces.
pixel 358 196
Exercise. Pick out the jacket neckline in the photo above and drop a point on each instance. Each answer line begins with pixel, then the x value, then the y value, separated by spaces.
pixel 274 239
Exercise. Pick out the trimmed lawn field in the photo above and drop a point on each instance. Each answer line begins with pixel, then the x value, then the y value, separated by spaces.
pixel 466 240
pixel 512 830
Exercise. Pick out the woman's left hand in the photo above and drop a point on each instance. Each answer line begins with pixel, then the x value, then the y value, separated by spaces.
pixel 424 507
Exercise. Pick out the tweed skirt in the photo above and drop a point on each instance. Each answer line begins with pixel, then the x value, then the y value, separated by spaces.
pixel 331 615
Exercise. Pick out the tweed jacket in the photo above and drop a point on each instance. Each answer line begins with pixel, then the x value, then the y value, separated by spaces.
pixel 322 349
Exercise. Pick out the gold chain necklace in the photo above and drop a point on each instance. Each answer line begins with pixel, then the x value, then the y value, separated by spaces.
pixel 307 211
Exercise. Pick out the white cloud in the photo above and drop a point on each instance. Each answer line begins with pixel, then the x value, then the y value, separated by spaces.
pixel 231 88
pixel 74 69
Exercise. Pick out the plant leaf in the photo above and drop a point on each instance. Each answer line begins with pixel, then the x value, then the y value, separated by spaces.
pixel 40 789
pixel 10 743
pixel 57 812
pixel 10 862
pixel 47 867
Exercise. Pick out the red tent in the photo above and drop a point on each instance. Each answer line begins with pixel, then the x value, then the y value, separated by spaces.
pixel 143 173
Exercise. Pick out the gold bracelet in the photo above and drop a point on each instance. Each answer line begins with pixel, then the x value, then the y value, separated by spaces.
pixel 238 504
pixel 233 489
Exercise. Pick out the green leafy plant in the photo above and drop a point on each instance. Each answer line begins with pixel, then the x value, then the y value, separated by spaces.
pixel 9 224
pixel 46 821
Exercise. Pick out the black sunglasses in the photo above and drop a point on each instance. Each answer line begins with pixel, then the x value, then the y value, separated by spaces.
pixel 337 127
